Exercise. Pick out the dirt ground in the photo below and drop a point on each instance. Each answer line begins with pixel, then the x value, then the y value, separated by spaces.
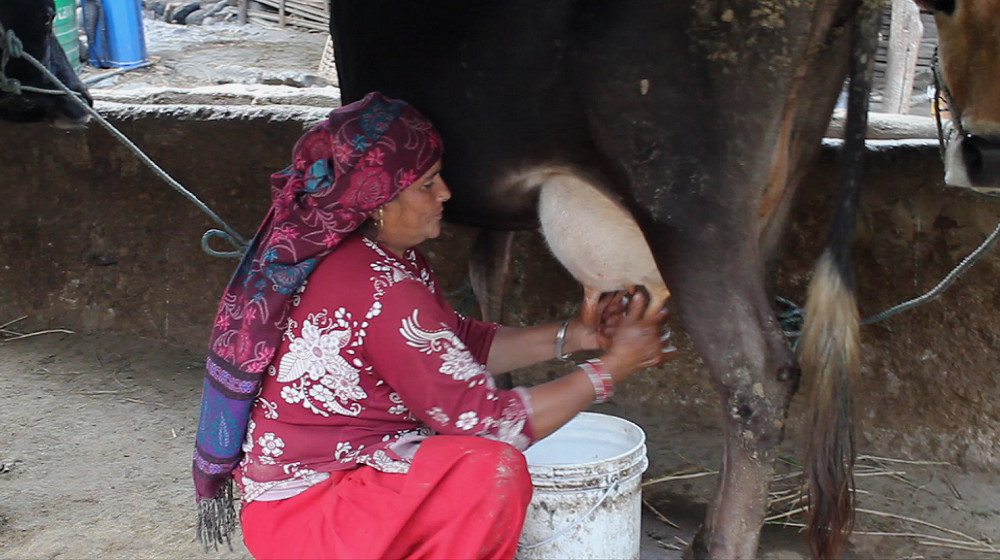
pixel 192 56
pixel 96 431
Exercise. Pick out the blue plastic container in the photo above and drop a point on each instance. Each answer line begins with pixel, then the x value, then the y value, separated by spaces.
pixel 114 31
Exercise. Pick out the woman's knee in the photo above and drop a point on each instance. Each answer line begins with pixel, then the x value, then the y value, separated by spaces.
pixel 500 465
pixel 511 467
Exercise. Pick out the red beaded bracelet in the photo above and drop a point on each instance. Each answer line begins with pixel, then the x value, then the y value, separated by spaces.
pixel 604 387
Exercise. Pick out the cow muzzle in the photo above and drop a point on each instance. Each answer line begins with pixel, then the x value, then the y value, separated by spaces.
pixel 973 161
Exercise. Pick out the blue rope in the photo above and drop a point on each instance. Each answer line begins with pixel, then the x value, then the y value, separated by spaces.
pixel 239 244
pixel 12 47
pixel 943 285
pixel 791 316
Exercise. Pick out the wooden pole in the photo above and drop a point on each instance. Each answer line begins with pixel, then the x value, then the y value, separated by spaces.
pixel 905 32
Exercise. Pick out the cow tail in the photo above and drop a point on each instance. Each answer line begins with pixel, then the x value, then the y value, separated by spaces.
pixel 829 354
pixel 830 344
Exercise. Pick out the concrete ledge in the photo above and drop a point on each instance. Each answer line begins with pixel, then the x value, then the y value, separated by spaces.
pixel 881 126
pixel 888 126
pixel 227 94
pixel 116 112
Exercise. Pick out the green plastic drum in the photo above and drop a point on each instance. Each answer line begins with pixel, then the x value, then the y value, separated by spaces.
pixel 66 31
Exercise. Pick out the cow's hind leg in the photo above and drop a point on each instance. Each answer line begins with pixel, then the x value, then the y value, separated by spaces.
pixel 489 266
pixel 755 374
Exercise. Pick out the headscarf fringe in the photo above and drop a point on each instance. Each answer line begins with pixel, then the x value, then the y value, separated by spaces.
pixel 217 518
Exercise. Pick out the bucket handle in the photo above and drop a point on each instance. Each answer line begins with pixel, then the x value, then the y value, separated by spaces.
pixel 566 529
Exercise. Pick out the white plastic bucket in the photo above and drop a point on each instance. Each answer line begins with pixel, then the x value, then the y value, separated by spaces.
pixel 587 501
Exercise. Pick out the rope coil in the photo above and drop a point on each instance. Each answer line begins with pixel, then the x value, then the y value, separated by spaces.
pixel 11 47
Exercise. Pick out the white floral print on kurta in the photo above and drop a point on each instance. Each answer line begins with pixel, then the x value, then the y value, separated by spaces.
pixel 247 446
pixel 270 408
pixel 383 462
pixel 314 353
pixel 467 420
pixel 460 364
pixel 345 383
pixel 456 360
pixel 509 428
pixel 271 445
pixel 438 415
pixel 323 381
pixel 397 407
pixel 343 447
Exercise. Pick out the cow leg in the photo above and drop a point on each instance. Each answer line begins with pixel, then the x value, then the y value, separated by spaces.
pixel 755 374
pixel 489 266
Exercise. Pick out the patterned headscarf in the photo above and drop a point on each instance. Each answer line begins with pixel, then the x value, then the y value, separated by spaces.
pixel 342 169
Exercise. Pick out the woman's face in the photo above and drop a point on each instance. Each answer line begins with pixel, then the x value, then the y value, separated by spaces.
pixel 415 214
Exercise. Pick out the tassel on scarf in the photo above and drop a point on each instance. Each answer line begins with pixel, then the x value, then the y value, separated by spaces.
pixel 217 518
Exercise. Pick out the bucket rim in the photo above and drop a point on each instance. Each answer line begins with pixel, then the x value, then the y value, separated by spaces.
pixel 640 445
pixel 584 481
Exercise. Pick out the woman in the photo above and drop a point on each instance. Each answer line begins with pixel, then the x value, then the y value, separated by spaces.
pixel 372 425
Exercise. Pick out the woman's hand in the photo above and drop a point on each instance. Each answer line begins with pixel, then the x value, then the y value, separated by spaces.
pixel 610 310
pixel 637 342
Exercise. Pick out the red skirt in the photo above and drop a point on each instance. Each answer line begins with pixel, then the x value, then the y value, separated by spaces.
pixel 464 497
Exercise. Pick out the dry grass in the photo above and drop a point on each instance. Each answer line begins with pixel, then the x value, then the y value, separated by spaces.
pixel 8 334
pixel 787 502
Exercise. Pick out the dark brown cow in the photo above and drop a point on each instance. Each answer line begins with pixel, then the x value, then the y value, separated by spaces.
pixel 699 120
pixel 30 21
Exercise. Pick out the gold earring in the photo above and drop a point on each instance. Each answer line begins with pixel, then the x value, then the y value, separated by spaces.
pixel 379 217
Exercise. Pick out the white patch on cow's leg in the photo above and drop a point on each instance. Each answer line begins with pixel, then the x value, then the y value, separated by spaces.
pixel 596 238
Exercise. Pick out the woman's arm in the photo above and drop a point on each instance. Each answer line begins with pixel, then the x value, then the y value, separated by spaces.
pixel 517 347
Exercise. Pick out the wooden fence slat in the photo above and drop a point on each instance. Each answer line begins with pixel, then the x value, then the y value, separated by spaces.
pixel 308 14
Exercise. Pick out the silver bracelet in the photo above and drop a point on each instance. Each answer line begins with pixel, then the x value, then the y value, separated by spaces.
pixel 561 341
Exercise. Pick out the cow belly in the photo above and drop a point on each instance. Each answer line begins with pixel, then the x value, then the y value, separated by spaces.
pixel 596 239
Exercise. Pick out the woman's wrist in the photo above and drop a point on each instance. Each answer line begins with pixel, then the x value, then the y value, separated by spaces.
pixel 618 370
pixel 579 337
pixel 562 345
pixel 600 378
pixel 573 336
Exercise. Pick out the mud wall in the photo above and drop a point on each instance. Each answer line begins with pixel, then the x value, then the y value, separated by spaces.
pixel 91 240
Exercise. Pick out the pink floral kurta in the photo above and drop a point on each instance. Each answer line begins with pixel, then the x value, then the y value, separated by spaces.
pixel 374 360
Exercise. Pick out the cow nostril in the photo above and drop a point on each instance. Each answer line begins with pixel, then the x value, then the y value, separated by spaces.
pixel 971 153
pixel 989 139
pixel 981 156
